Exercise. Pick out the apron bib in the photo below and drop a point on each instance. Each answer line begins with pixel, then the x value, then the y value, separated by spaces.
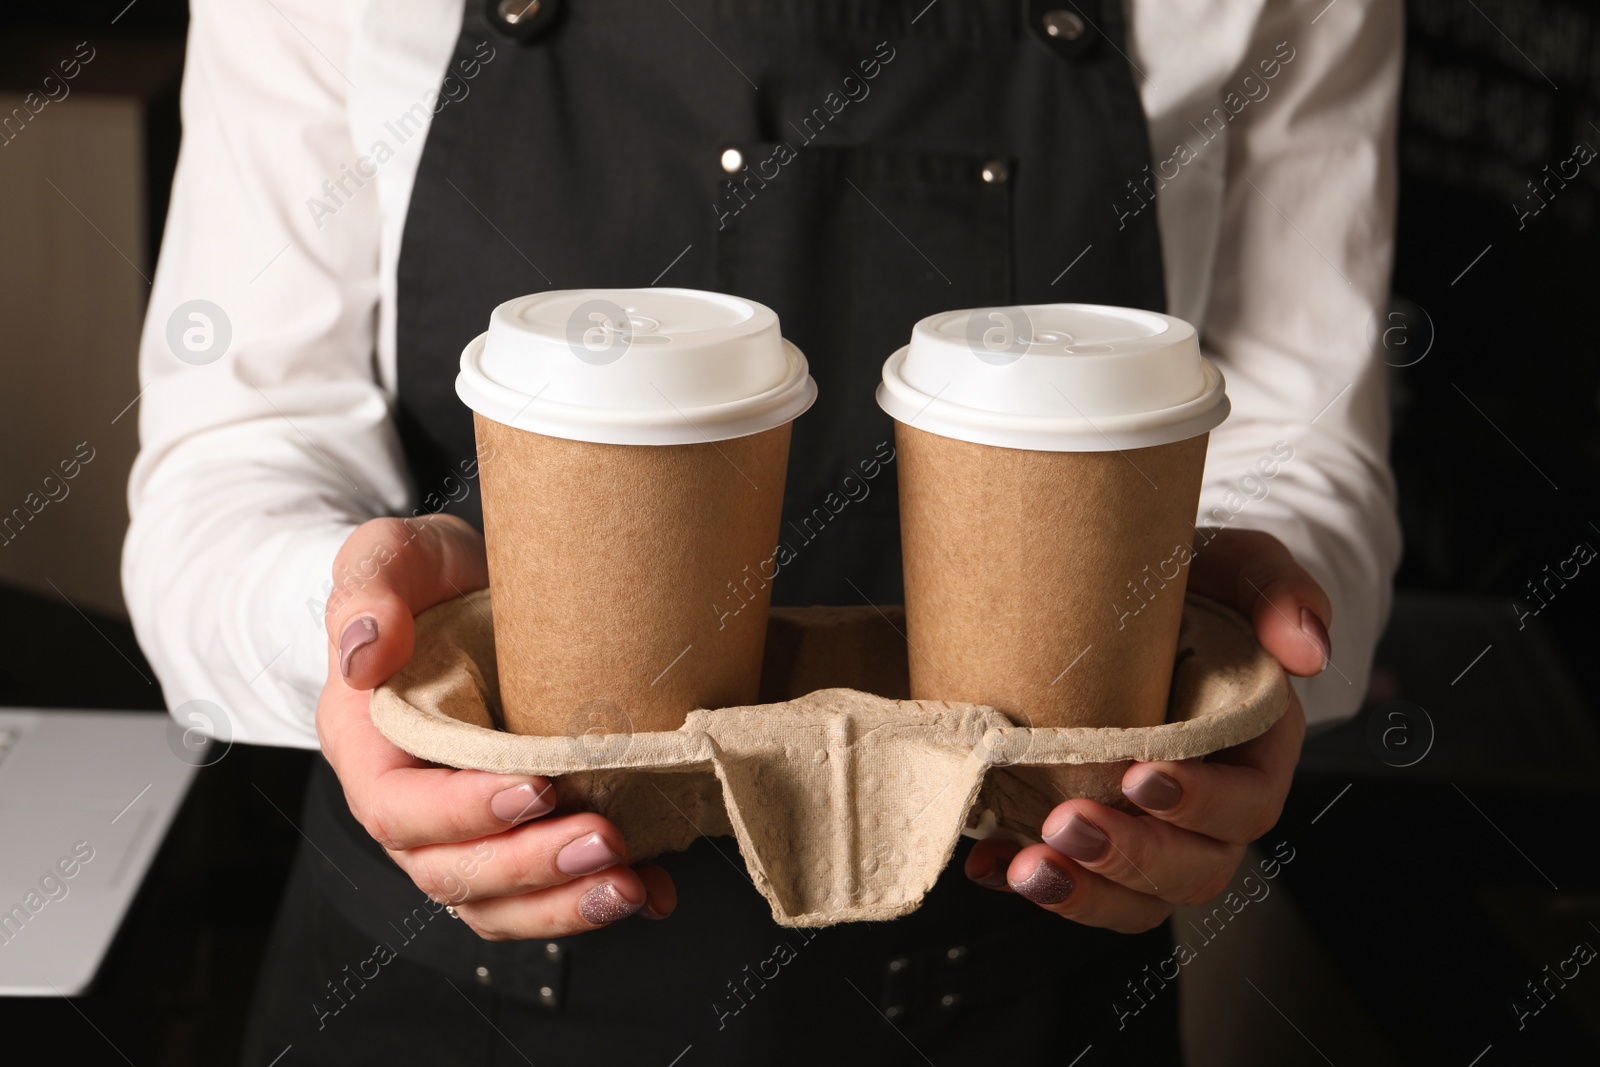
pixel 896 159
pixel 855 165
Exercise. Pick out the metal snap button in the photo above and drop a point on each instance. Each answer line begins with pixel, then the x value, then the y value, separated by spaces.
pixel 996 172
pixel 522 20
pixel 949 1000
pixel 732 160
pixel 552 949
pixel 482 974
pixel 896 966
pixel 1067 25
pixel 956 954
pixel 514 11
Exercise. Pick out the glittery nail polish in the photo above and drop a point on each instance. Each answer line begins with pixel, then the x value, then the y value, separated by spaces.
pixel 605 904
pixel 1048 884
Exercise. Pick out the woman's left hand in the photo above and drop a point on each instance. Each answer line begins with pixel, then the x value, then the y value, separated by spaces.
pixel 1104 867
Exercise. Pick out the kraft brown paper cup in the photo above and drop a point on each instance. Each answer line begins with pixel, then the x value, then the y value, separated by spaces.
pixel 1050 461
pixel 610 566
pixel 632 450
pixel 1048 585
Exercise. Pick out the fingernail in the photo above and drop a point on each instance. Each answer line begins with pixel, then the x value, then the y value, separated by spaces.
pixel 586 855
pixel 1048 884
pixel 358 635
pixel 1154 792
pixel 994 877
pixel 649 910
pixel 1316 633
pixel 605 904
pixel 521 802
pixel 1080 839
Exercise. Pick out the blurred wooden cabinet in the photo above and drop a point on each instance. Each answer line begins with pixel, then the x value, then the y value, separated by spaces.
pixel 83 179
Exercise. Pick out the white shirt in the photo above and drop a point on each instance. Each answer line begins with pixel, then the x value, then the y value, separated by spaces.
pixel 1276 220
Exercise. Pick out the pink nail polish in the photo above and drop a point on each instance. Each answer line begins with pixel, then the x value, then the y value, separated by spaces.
pixel 1079 839
pixel 586 855
pixel 358 635
pixel 1317 634
pixel 521 802
pixel 1154 792
pixel 994 877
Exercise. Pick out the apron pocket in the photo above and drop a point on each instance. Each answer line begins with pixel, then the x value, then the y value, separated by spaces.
pixel 851 246
pixel 881 237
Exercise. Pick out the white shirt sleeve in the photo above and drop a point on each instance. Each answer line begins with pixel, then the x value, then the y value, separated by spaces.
pixel 265 436
pixel 1304 247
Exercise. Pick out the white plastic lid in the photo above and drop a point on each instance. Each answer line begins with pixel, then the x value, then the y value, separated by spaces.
pixel 635 367
pixel 1055 378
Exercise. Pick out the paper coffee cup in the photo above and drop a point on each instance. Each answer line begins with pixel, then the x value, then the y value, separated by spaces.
pixel 1050 459
pixel 632 450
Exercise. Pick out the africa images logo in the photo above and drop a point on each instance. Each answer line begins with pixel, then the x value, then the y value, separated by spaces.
pixel 1001 336
pixel 601 332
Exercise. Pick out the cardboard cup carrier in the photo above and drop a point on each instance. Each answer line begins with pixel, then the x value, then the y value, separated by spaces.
pixel 632 448
pixel 1050 460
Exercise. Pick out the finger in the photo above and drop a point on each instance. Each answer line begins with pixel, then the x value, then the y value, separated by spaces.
pixel 582 904
pixel 1142 853
pixel 404 803
pixel 1056 884
pixel 388 571
pixel 1254 573
pixel 542 854
pixel 987 860
pixel 1235 795
pixel 662 899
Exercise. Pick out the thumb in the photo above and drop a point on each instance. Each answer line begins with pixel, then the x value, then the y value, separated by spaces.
pixel 388 571
pixel 1253 573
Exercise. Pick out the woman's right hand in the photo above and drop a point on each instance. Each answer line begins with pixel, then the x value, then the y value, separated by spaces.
pixel 484 843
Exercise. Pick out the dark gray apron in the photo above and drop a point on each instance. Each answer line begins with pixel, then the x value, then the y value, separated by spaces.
pixel 898 159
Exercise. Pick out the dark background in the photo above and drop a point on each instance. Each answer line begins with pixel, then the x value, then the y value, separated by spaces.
pixel 1445 839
